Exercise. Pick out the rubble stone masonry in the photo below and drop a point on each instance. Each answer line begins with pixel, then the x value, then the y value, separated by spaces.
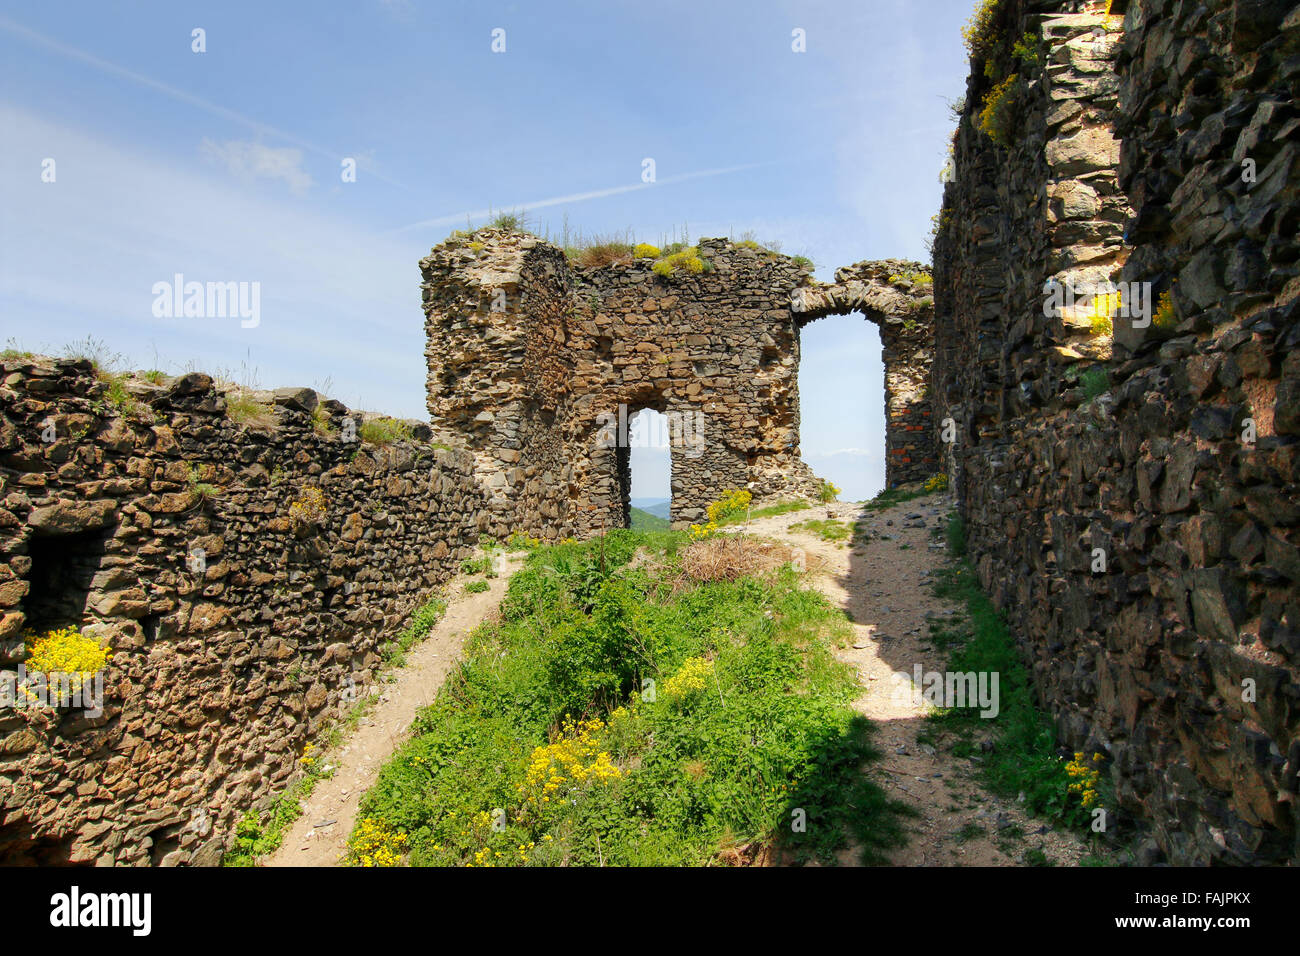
pixel 1158 148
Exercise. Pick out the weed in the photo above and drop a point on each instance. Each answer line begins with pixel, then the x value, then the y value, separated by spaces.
pixel 384 431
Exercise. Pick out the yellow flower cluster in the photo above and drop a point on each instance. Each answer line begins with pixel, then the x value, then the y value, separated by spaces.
pixel 573 759
pixel 732 502
pixel 376 844
pixel 699 531
pixel 938 482
pixel 1101 312
pixel 644 250
pixel 693 676
pixel 518 539
pixel 307 759
pixel 688 260
pixel 65 651
pixel 1085 778
pixel 312 506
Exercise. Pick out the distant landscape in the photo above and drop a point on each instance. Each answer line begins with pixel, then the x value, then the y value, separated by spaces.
pixel 650 514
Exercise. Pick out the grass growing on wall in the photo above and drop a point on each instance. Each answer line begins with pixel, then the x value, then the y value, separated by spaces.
pixel 622 714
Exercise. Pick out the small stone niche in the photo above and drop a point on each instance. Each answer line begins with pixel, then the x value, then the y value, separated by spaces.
pixel 62 576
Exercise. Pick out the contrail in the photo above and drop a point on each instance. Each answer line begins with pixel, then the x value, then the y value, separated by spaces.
pixel 578 197
pixel 113 69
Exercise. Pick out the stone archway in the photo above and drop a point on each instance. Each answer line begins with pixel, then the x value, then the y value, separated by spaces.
pixel 897 296
pixel 536 366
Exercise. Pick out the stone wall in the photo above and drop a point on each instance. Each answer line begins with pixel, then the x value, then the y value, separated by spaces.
pixel 238 623
pixel 1169 448
pixel 536 366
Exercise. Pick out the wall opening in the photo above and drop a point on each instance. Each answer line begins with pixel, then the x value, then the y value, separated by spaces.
pixel 63 569
pixel 842 403
pixel 648 491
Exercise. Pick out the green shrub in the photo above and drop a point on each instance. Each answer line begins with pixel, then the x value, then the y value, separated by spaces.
pixel 1094 382
pixel 384 431
pixel 685 260
pixel 998 117
pixel 978 31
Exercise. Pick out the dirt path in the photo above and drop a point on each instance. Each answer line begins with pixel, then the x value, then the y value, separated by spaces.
pixel 319 837
pixel 885 585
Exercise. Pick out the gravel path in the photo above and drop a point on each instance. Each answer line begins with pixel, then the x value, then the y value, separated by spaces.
pixel 884 582
pixel 319 837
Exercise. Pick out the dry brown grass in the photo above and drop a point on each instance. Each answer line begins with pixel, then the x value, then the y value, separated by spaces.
pixel 604 254
pixel 726 557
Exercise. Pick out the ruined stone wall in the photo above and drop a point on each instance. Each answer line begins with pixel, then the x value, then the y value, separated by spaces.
pixel 238 623
pixel 537 366
pixel 1168 448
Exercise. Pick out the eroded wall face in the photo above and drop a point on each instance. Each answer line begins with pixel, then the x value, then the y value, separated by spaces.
pixel 537 368
pixel 1140 529
pixel 242 612
pixel 552 381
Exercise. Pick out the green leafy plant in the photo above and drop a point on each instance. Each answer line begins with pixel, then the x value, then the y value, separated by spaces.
pixel 1094 382
pixel 686 260
pixel 998 116
pixel 546 747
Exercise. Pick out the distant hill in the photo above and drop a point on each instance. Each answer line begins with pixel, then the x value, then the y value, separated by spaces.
pixel 658 507
pixel 645 521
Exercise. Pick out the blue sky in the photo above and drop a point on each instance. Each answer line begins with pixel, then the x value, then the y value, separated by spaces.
pixel 225 166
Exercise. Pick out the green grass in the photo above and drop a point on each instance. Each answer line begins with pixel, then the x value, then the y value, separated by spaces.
pixel 243 409
pixel 771 511
pixel 893 496
pixel 1024 757
pixel 828 529
pixel 476 565
pixel 477 587
pixel 422 621
pixel 384 431
pixel 766 737
pixel 645 521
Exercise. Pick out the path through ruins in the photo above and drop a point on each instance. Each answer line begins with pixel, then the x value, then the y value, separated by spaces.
pixel 885 585
pixel 319 837
pixel 883 582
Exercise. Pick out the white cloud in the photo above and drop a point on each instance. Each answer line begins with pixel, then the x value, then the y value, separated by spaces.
pixel 248 161
pixel 80 256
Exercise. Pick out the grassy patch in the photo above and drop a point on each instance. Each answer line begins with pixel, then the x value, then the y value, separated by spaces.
pixel 243 409
pixel 421 622
pixel 771 511
pixel 828 529
pixel 384 431
pixel 645 521
pixel 623 715
pixel 894 496
pixel 1023 758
